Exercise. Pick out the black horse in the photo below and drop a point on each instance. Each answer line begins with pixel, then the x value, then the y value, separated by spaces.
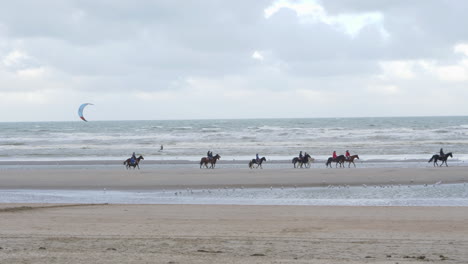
pixel 259 163
pixel 306 160
pixel 437 157
pixel 128 163
pixel 339 160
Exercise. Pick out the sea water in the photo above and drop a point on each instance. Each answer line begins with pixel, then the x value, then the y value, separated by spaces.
pixel 339 195
pixel 389 139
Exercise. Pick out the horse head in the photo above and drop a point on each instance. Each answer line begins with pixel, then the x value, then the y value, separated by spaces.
pixel 217 156
pixel 357 156
pixel 263 159
pixel 449 154
pixel 140 158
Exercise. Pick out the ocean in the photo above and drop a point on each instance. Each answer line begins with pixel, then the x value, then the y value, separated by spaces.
pixel 375 140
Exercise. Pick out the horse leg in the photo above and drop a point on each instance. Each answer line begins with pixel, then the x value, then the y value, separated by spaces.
pixel 354 164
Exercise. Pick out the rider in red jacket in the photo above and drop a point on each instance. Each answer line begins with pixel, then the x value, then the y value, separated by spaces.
pixel 334 154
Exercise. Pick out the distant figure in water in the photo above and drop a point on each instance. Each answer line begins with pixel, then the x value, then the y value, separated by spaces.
pixel 162 147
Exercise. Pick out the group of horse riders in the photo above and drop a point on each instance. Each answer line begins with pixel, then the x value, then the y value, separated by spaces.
pixel 209 155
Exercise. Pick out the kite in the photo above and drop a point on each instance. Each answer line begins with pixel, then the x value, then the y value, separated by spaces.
pixel 80 111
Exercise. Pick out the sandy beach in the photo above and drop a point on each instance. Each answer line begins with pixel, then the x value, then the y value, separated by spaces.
pixel 113 233
pixel 231 234
pixel 148 179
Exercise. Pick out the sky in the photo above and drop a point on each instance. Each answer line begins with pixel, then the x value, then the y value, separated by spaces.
pixel 212 59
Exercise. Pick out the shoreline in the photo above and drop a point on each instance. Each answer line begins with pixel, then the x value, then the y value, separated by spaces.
pixel 188 162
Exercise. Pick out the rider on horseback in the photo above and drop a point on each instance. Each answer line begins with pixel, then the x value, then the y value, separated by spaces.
pixel 133 158
pixel 300 156
pixel 347 155
pixel 334 155
pixel 257 158
pixel 209 155
pixel 441 152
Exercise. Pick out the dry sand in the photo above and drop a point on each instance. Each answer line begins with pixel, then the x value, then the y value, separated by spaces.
pixel 232 234
pixel 147 179
pixel 35 233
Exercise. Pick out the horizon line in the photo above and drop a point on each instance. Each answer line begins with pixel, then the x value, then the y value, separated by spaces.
pixel 250 118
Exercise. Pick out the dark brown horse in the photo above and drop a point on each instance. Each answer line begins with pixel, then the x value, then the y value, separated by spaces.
pixel 339 160
pixel 306 160
pixel 128 163
pixel 212 161
pixel 351 160
pixel 436 157
pixel 259 163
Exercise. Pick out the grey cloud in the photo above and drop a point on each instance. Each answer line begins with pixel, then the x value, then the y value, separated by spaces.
pixel 151 45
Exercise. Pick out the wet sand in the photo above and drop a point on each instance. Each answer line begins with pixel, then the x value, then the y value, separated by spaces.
pixel 149 179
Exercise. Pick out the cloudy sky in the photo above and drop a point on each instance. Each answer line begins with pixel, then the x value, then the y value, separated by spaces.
pixel 166 59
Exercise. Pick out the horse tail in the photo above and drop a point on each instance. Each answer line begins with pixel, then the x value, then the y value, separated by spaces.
pixel 250 164
pixel 431 159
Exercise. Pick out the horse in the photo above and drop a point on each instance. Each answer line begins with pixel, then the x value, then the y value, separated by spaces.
pixel 351 160
pixel 128 163
pixel 339 160
pixel 437 157
pixel 212 161
pixel 306 160
pixel 259 163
